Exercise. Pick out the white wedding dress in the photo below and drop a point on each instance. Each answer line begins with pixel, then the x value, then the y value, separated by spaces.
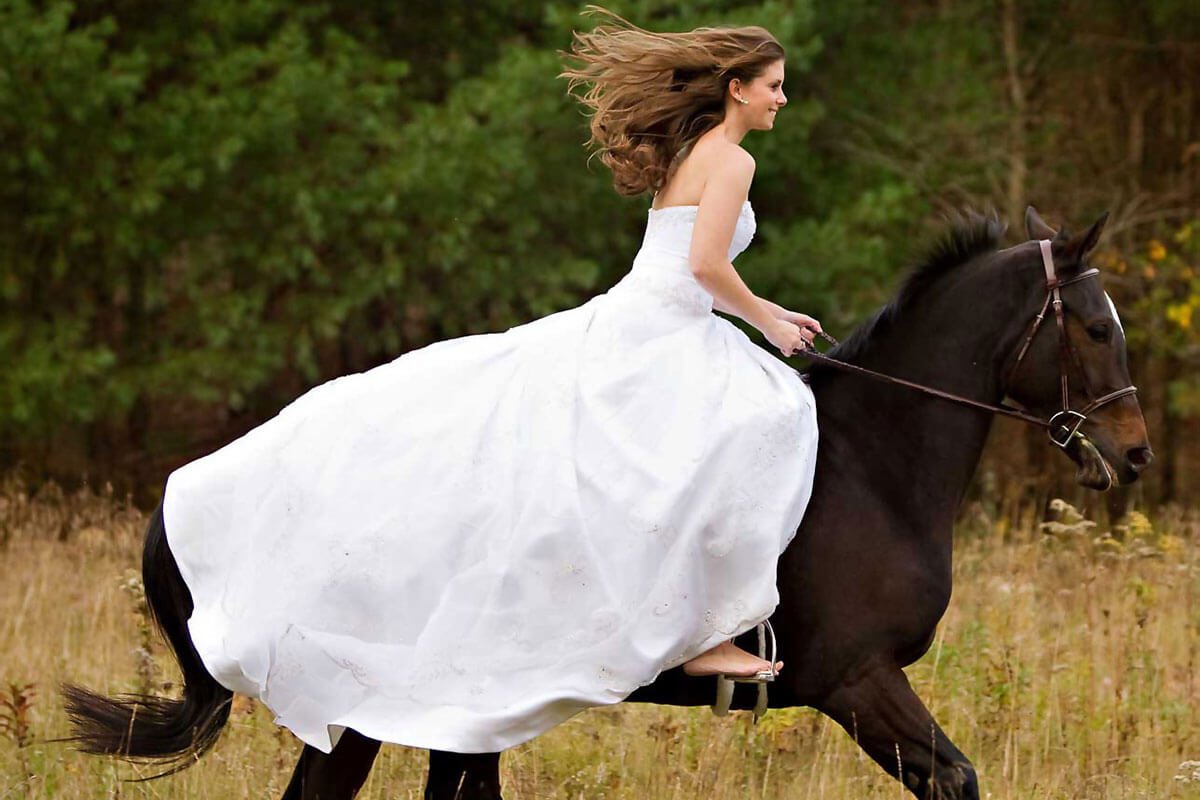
pixel 466 546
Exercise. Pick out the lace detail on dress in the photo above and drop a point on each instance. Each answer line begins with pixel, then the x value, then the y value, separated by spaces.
pixel 678 292
pixel 687 214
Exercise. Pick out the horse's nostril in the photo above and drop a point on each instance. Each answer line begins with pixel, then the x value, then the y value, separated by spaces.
pixel 1139 457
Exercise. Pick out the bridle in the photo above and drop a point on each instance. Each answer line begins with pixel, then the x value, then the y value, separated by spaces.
pixel 1063 426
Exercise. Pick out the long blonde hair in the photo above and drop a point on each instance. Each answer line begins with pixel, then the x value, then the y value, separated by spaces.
pixel 654 94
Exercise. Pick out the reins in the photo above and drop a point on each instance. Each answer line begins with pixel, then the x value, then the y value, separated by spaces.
pixel 1064 425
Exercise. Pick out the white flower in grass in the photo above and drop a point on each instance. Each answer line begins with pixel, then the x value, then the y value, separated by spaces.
pixel 1189 772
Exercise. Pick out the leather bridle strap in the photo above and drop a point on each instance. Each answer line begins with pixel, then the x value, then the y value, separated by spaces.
pixel 1054 287
pixel 845 366
pixel 1064 425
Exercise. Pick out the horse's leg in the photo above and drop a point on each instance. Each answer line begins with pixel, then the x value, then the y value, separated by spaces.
pixel 482 778
pixel 463 776
pixel 333 776
pixel 887 719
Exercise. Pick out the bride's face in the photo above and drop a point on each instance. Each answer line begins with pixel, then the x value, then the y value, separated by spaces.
pixel 764 97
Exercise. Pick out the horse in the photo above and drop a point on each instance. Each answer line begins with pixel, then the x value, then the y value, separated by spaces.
pixel 867 577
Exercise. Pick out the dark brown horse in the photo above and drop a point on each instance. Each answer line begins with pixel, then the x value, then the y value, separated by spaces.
pixel 867 577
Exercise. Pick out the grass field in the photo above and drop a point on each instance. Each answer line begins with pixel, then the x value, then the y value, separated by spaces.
pixel 1066 667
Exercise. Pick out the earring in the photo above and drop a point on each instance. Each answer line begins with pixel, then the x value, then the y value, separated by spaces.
pixel 743 102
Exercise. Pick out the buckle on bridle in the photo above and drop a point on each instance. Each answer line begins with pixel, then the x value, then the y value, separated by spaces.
pixel 1061 433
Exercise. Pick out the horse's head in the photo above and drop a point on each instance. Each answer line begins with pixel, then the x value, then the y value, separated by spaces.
pixel 1110 445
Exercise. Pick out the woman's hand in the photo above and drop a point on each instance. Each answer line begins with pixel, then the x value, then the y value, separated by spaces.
pixel 800 320
pixel 787 336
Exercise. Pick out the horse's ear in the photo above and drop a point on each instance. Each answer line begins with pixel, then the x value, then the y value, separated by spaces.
pixel 1036 227
pixel 1077 248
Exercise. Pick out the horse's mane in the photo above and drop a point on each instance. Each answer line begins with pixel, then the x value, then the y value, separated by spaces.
pixel 970 234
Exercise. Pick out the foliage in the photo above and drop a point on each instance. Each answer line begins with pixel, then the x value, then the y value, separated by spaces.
pixel 184 218
pixel 207 208
pixel 16 703
pixel 1165 272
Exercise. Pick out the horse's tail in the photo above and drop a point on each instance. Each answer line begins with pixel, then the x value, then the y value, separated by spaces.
pixel 136 726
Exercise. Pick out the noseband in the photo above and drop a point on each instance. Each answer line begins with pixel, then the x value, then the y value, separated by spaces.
pixel 1064 425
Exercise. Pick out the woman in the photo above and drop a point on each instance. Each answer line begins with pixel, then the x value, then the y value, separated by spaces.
pixel 464 547
pixel 678 137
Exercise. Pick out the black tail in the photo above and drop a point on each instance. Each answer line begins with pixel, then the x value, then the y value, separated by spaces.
pixel 136 727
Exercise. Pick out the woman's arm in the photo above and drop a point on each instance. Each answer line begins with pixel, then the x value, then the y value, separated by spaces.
pixel 787 315
pixel 777 311
pixel 720 205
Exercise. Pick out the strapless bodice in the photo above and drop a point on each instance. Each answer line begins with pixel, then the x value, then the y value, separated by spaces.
pixel 661 270
pixel 669 230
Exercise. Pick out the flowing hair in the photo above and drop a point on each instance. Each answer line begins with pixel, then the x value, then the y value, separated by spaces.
pixel 654 94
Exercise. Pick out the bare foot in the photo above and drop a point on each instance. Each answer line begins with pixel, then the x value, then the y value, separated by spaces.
pixel 728 659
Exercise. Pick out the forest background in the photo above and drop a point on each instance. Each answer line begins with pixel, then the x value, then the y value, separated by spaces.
pixel 208 207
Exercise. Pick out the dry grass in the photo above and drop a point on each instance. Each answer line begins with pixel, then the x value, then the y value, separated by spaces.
pixel 1065 668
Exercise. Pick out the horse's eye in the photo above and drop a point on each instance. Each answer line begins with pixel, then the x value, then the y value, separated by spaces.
pixel 1099 331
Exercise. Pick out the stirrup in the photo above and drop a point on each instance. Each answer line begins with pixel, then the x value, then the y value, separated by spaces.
pixel 767 675
pixel 725 683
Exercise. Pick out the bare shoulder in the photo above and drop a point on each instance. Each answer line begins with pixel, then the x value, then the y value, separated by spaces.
pixel 730 165
pixel 736 155
pixel 714 163
pixel 719 154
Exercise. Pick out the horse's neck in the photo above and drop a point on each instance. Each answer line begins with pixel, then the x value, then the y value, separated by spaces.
pixel 926 446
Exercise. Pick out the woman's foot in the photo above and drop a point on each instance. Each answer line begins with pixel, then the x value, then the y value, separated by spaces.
pixel 730 660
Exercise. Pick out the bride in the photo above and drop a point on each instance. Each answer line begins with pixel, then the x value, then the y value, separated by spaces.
pixel 464 547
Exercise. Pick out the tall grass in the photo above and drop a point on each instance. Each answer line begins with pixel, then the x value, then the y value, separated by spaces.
pixel 1066 667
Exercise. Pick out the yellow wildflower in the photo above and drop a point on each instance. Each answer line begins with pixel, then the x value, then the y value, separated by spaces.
pixel 1170 545
pixel 1157 252
pixel 1138 524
